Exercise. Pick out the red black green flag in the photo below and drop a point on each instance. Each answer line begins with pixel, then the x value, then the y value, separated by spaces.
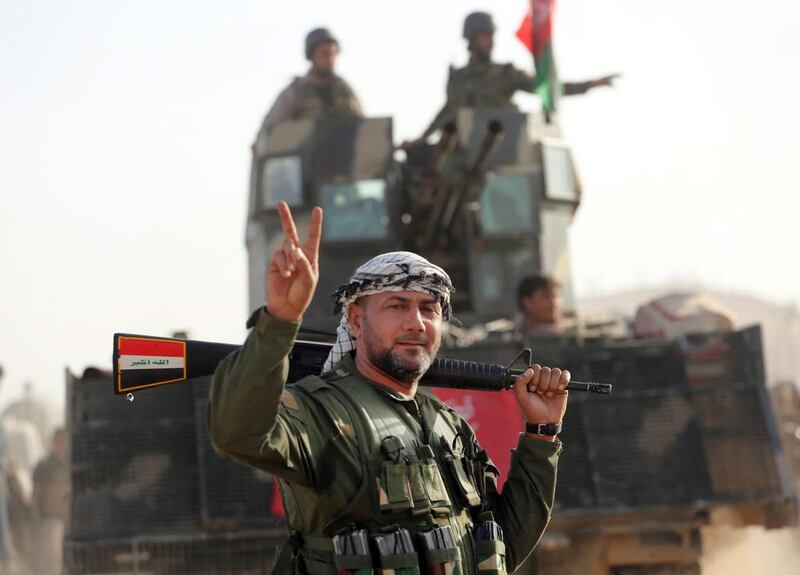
pixel 536 32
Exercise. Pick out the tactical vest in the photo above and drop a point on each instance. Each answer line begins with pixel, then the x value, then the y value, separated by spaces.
pixel 487 86
pixel 310 104
pixel 406 483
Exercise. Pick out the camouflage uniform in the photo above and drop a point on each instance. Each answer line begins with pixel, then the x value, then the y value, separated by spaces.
pixel 489 85
pixel 307 98
pixel 324 438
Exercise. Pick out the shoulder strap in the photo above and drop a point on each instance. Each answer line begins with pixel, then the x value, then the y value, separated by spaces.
pixel 365 426
pixel 311 384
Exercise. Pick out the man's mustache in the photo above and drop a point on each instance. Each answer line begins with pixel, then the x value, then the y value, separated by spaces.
pixel 412 339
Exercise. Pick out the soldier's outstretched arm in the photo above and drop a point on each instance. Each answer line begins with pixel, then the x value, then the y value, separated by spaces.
pixel 576 88
pixel 246 419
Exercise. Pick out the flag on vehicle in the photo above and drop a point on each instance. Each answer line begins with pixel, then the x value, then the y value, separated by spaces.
pixel 536 32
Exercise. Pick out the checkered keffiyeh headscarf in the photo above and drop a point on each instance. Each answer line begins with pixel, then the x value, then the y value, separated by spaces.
pixel 394 271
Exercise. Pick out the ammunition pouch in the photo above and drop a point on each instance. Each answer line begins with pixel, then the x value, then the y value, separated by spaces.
pixel 488 545
pixel 395 553
pixel 352 554
pixel 357 552
pixel 409 486
pixel 440 552
pixel 466 489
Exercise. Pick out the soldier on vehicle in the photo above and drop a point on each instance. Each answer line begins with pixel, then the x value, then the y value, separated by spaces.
pixel 483 83
pixel 539 307
pixel 374 471
pixel 320 93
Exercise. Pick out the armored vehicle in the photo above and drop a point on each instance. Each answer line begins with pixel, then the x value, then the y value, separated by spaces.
pixel 683 442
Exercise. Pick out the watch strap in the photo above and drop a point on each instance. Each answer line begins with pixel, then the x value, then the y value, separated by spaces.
pixel 543 428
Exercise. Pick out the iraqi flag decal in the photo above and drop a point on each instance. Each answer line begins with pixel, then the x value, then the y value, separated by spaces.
pixel 141 362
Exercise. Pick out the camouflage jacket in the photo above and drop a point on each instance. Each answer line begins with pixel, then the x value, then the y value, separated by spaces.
pixel 324 438
pixel 305 98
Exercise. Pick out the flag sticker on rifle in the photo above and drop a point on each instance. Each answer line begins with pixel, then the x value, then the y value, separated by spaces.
pixel 146 362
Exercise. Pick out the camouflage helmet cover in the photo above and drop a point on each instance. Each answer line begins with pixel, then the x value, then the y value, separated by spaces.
pixel 316 37
pixel 478 23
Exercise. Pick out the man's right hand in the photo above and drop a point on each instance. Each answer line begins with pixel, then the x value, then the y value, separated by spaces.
pixel 605 80
pixel 293 270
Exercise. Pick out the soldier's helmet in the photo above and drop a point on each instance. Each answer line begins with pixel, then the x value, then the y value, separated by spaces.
pixel 478 23
pixel 316 37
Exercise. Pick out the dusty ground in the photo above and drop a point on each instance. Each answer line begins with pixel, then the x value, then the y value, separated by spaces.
pixel 751 551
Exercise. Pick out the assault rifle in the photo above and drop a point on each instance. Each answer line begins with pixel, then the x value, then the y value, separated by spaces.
pixel 142 362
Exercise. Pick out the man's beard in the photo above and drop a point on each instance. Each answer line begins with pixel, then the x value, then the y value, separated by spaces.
pixel 407 370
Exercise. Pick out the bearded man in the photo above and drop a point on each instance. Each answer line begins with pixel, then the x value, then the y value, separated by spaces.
pixel 375 473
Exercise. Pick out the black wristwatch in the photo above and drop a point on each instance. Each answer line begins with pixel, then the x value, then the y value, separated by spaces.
pixel 543 428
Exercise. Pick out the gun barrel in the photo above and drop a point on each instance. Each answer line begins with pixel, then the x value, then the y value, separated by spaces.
pixel 584 386
pixel 491 140
pixel 472 375
pixel 590 387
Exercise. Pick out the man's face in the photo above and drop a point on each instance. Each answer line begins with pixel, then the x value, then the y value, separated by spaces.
pixel 542 306
pixel 400 332
pixel 323 58
pixel 482 44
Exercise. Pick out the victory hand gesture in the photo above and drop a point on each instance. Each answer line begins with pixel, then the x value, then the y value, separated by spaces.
pixel 293 270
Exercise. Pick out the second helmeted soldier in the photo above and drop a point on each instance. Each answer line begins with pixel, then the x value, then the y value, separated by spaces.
pixel 483 83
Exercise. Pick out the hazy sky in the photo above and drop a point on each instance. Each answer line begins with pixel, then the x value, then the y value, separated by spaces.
pixel 125 130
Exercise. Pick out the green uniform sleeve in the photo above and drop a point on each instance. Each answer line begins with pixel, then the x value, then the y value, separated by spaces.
pixel 246 420
pixel 523 508
pixel 521 80
pixel 575 88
